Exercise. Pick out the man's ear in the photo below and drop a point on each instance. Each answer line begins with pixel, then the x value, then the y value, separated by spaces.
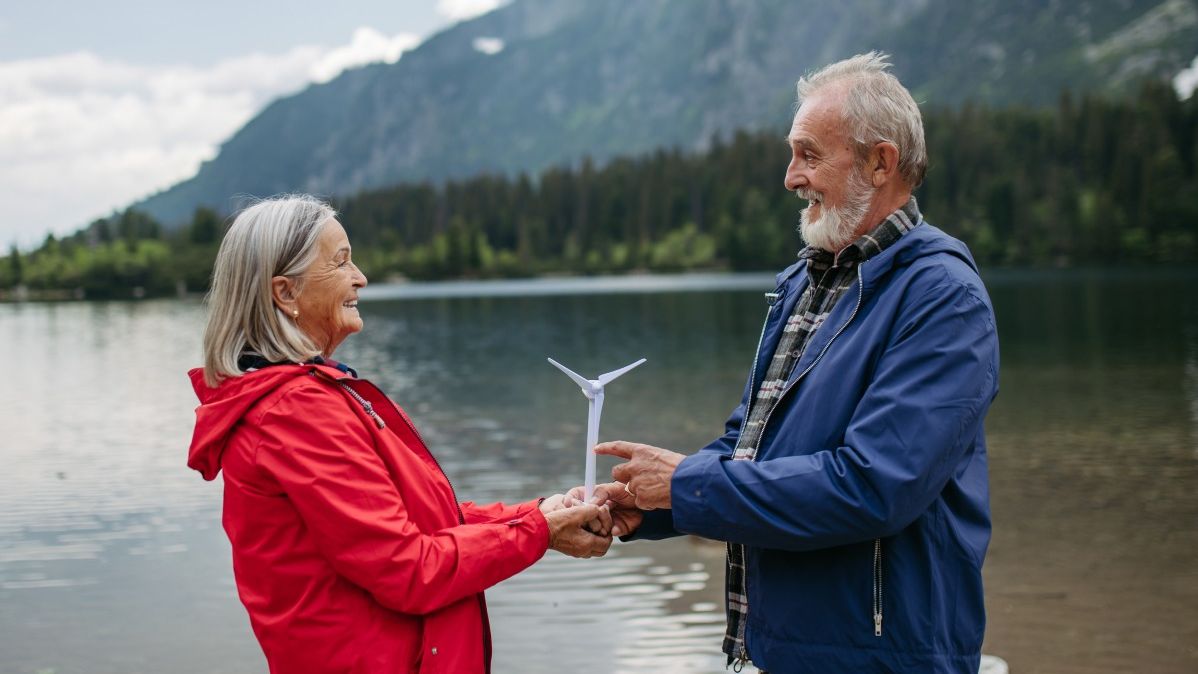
pixel 883 163
pixel 283 292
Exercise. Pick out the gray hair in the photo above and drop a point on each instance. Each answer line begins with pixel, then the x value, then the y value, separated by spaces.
pixel 877 108
pixel 274 237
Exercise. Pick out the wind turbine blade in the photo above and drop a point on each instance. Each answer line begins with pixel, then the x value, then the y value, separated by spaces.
pixel 578 379
pixel 605 379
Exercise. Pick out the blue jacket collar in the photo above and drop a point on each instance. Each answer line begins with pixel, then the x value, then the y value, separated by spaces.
pixel 925 239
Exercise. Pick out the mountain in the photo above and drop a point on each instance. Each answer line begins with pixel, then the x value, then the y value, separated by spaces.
pixel 543 82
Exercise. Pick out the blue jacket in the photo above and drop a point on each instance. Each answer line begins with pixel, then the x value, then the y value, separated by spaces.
pixel 877 437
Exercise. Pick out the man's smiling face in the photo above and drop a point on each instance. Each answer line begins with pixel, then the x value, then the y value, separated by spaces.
pixel 824 170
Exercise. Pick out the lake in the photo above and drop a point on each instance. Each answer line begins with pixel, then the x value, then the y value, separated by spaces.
pixel 112 558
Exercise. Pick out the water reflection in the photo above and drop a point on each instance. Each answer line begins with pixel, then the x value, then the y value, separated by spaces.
pixel 111 555
pixel 631 613
pixel 506 423
pixel 112 558
pixel 1192 383
pixel 1093 475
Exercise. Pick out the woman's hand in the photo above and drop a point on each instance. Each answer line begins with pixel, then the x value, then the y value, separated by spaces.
pixel 626 517
pixel 552 503
pixel 583 530
pixel 601 526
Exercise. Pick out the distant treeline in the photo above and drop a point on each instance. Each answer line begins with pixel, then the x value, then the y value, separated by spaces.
pixel 1093 182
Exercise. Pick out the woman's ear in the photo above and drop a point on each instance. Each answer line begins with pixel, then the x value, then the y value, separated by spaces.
pixel 283 292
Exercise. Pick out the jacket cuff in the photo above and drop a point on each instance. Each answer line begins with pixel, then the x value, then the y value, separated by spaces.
pixel 688 493
pixel 536 518
pixel 658 524
pixel 529 506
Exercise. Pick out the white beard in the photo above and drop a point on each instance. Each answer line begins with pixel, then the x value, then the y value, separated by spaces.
pixel 836 225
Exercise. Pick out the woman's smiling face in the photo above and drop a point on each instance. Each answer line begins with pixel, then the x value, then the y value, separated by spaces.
pixel 328 292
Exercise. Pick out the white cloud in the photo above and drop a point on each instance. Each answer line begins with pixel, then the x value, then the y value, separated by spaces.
pixel 1186 81
pixel 488 45
pixel 81 136
pixel 368 46
pixel 460 10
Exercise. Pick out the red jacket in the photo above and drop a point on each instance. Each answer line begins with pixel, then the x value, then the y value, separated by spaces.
pixel 350 550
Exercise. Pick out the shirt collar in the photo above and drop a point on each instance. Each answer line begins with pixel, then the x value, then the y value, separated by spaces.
pixel 318 360
pixel 250 361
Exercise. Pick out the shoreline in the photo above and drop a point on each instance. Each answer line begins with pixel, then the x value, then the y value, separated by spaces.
pixel 631 283
pixel 533 286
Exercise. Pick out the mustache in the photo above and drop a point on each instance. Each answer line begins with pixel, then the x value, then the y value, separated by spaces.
pixel 809 194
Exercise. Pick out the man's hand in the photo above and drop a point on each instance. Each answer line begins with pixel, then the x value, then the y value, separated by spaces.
pixel 625 516
pixel 647 473
pixel 583 530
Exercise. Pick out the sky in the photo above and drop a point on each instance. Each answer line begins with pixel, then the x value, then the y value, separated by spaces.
pixel 104 103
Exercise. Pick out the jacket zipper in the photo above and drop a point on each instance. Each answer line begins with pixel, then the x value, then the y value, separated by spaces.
pixel 742 658
pixel 818 358
pixel 366 404
pixel 877 562
pixel 482 601
pixel 773 299
pixel 877 587
pixel 860 295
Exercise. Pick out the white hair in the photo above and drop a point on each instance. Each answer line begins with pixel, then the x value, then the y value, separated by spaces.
pixel 877 108
pixel 274 237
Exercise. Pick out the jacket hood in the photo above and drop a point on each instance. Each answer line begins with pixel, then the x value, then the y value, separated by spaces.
pixel 222 407
pixel 924 241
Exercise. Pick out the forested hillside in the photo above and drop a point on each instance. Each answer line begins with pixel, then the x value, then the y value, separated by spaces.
pixel 575 78
pixel 1091 181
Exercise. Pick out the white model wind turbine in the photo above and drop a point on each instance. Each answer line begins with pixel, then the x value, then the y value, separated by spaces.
pixel 593 390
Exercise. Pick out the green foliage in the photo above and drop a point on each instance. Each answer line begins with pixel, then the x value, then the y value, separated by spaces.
pixel 11 270
pixel 133 225
pixel 1093 182
pixel 683 248
pixel 114 269
pixel 119 257
pixel 205 227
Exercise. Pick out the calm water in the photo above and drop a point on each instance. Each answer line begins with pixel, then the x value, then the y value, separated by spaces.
pixel 112 559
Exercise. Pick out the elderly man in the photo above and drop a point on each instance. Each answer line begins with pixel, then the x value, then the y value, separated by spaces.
pixel 851 483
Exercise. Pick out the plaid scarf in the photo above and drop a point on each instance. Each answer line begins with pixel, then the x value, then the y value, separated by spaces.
pixel 830 276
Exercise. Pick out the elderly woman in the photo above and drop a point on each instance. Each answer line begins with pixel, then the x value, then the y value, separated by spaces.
pixel 350 549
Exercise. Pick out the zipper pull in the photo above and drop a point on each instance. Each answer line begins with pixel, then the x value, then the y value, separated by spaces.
pixel 877 624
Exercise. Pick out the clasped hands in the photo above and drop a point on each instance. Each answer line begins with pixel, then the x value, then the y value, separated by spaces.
pixel 577 529
pixel 616 508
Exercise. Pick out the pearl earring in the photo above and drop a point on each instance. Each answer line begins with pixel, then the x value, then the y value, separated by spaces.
pixel 295 313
